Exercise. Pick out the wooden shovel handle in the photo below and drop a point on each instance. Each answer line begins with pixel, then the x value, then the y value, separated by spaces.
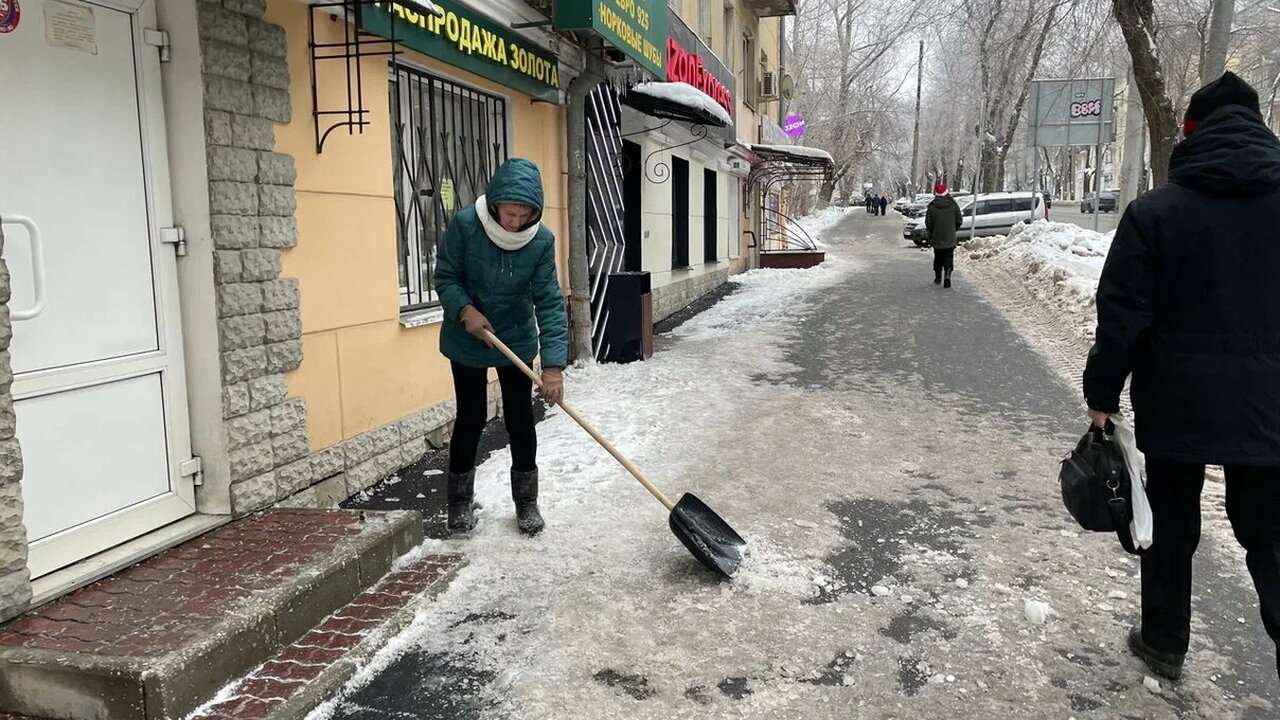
pixel 617 455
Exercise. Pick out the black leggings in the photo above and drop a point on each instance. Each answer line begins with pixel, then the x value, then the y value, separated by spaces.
pixel 471 388
pixel 944 260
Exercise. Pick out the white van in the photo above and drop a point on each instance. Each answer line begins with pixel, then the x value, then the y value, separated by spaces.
pixel 999 212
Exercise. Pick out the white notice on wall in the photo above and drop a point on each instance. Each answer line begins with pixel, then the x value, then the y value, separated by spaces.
pixel 71 26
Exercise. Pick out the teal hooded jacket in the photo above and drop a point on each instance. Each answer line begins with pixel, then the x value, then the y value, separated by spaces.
pixel 516 290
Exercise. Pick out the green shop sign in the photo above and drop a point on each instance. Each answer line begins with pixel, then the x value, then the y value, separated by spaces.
pixel 636 27
pixel 464 38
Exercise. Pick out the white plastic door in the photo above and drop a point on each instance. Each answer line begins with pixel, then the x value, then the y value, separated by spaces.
pixel 99 386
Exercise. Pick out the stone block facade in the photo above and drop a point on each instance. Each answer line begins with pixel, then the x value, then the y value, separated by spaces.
pixel 15 579
pixel 673 297
pixel 252 217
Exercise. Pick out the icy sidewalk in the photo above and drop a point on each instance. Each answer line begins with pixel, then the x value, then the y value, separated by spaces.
pixel 888 450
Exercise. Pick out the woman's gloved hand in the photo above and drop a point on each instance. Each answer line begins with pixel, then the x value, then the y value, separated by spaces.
pixel 552 389
pixel 476 324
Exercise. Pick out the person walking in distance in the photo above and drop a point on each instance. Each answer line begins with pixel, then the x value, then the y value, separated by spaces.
pixel 943 220
pixel 1189 305
pixel 496 273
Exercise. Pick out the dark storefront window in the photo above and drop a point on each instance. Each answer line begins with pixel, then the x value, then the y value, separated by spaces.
pixel 447 141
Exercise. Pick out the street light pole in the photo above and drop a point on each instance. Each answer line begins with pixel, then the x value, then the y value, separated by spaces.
pixel 915 136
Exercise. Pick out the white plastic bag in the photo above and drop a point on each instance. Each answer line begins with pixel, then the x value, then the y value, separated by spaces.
pixel 1141 527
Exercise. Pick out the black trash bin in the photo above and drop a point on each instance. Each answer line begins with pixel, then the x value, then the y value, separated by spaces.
pixel 628 333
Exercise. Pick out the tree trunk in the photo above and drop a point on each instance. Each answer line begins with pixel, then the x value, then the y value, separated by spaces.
pixel 1016 116
pixel 1218 39
pixel 1138 23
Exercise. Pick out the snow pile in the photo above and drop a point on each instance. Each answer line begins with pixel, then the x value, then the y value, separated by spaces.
pixel 1059 263
pixel 800 151
pixel 820 223
pixel 686 95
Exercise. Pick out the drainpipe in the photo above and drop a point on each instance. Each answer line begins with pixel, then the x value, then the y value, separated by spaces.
pixel 579 277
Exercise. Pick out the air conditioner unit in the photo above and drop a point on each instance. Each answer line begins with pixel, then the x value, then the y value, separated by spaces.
pixel 769 86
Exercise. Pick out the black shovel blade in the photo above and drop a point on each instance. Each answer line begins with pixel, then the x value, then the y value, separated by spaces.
pixel 708 537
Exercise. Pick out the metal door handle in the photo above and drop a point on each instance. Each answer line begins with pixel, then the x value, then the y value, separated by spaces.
pixel 37 265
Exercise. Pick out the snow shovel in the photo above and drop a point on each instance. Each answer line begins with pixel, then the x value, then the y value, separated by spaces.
pixel 708 537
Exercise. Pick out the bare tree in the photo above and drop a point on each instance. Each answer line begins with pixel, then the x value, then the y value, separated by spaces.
pixel 1137 20
pixel 1219 37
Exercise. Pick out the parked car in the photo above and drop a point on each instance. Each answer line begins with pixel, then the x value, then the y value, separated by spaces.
pixel 1104 202
pixel 997 214
pixel 901 204
pixel 918 204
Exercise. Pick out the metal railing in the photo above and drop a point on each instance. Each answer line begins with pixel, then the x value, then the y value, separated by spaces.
pixel 783 234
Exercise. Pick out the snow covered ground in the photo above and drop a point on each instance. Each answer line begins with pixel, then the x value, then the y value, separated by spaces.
pixel 908 555
pixel 1059 264
pixel 820 223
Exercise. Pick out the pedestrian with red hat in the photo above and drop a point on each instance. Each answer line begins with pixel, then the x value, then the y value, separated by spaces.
pixel 943 220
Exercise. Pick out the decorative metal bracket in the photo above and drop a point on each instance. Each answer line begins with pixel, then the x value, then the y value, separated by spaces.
pixel 659 172
pixel 355 45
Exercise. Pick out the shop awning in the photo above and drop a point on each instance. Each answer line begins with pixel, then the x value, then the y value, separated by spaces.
pixel 793 154
pixel 677 101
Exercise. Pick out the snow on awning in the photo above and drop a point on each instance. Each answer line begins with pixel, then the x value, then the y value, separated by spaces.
pixel 795 154
pixel 677 101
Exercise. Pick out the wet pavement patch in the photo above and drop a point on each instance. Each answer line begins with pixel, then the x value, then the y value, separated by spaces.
pixel 905 627
pixel 695 308
pixel 879 533
pixel 637 686
pixel 1081 703
pixel 834 673
pixel 735 688
pixel 699 694
pixel 910 677
pixel 422 686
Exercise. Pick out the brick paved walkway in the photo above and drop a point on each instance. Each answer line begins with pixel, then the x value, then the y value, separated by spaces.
pixel 266 566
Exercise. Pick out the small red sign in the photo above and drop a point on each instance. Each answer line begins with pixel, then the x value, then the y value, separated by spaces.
pixel 686 67
pixel 10 15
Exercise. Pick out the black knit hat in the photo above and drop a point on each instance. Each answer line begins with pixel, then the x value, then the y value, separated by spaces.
pixel 1226 90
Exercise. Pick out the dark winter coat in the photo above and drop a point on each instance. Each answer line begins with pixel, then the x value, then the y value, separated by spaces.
pixel 1189 302
pixel 510 288
pixel 942 219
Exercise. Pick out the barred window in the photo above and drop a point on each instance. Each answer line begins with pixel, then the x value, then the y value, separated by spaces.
pixel 447 141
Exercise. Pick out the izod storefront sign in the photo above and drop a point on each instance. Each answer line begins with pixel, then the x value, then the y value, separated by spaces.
pixel 464 38
pixel 689 60
pixel 687 67
pixel 636 27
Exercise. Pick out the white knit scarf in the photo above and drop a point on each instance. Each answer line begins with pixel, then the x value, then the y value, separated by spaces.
pixel 500 236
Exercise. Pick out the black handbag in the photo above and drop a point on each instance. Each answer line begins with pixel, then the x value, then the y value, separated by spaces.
pixel 1096 487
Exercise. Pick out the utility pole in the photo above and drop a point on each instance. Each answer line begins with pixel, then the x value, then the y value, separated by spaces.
pixel 915 136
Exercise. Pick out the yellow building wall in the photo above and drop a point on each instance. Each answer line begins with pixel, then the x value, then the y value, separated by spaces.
pixel 361 368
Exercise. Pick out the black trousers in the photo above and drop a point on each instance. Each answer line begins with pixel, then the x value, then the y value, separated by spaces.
pixel 944 260
pixel 471 388
pixel 1253 507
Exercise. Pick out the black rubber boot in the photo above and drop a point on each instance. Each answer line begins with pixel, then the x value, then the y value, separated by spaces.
pixel 524 490
pixel 947 282
pixel 462 491
pixel 937 277
pixel 1166 664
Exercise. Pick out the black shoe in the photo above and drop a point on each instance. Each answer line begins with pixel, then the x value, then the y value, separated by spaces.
pixel 937 278
pixel 947 283
pixel 524 490
pixel 461 490
pixel 1165 664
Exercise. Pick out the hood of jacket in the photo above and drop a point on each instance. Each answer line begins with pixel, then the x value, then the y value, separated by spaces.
pixel 517 181
pixel 942 202
pixel 1233 153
